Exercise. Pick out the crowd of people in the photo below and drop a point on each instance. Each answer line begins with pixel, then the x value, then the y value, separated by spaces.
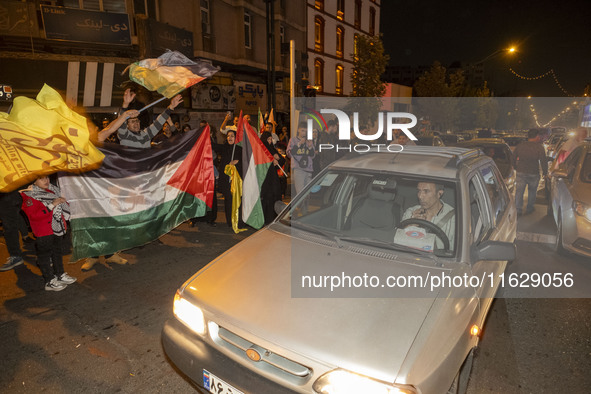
pixel 47 211
pixel 43 209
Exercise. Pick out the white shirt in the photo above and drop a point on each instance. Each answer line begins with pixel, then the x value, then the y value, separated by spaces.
pixel 449 227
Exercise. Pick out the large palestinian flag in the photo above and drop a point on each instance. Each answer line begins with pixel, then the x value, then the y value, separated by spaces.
pixel 256 160
pixel 139 194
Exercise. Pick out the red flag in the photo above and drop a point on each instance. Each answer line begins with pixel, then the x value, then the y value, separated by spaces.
pixel 239 129
pixel 195 175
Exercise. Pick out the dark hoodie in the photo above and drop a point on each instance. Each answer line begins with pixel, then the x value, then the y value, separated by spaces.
pixel 271 188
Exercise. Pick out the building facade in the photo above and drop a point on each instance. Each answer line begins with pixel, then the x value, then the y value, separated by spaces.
pixel 333 26
pixel 82 48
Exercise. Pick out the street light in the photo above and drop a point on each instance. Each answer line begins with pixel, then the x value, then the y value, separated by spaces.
pixel 498 51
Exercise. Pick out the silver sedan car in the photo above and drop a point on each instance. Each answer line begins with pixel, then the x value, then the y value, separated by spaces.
pixel 359 286
pixel 570 201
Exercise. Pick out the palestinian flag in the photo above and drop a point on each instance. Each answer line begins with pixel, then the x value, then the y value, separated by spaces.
pixel 139 194
pixel 170 73
pixel 256 160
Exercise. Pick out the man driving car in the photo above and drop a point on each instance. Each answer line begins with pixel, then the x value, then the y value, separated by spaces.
pixel 434 210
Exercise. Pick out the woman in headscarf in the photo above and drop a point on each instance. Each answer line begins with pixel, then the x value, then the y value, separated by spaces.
pixel 230 153
pixel 271 188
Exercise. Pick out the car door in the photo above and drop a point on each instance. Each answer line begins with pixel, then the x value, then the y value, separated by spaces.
pixel 562 192
pixel 495 210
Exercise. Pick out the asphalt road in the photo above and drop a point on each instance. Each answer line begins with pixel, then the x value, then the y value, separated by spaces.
pixel 102 334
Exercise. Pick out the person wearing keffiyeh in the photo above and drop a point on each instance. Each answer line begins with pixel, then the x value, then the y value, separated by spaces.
pixel 48 212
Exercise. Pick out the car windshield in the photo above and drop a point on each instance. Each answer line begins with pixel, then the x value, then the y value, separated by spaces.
pixel 399 212
pixel 586 169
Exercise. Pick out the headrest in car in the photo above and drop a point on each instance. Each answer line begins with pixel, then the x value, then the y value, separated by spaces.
pixel 382 189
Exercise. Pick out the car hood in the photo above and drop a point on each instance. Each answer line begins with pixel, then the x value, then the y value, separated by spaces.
pixel 248 289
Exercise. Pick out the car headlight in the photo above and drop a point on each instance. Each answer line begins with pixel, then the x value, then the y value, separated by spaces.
pixel 582 209
pixel 189 314
pixel 340 381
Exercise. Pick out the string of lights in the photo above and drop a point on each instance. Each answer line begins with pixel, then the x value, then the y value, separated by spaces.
pixel 565 111
pixel 547 73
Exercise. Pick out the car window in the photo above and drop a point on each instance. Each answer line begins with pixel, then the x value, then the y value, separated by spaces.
pixel 369 206
pixel 570 164
pixel 586 169
pixel 478 217
pixel 494 188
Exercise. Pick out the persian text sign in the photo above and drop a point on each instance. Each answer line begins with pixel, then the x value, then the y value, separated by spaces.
pixel 85 26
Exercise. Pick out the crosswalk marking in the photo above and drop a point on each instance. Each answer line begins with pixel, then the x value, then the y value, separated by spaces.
pixel 534 237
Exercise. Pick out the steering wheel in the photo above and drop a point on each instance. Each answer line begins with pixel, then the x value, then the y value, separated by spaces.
pixel 428 226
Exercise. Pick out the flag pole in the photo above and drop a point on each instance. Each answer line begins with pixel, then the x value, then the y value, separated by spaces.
pixel 281 168
pixel 152 104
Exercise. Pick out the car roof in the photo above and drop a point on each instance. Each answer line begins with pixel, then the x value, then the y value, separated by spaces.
pixel 440 162
pixel 482 141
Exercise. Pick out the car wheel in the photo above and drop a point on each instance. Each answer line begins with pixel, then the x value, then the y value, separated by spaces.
pixel 460 383
pixel 558 246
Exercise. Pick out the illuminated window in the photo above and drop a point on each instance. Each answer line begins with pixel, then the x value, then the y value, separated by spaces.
pixel 319 74
pixel 357 14
pixel 340 41
pixel 341 9
pixel 247 30
pixel 319 34
pixel 356 46
pixel 372 21
pixel 319 4
pixel 339 79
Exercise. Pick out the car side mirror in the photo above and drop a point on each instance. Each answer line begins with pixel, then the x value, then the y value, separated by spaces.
pixel 279 206
pixel 493 251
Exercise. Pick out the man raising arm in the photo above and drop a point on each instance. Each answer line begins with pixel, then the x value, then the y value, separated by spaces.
pixel 131 135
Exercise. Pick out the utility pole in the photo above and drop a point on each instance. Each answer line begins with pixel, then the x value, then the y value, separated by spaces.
pixel 270 19
pixel 292 75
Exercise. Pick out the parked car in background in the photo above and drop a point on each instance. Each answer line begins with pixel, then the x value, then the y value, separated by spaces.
pixel 500 152
pixel 430 140
pixel 553 144
pixel 570 201
pixel 451 139
pixel 513 140
pixel 467 134
pixel 238 327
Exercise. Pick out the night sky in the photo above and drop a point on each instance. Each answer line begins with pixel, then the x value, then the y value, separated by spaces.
pixel 549 35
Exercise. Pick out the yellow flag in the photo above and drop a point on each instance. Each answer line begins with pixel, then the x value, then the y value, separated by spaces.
pixel 236 190
pixel 43 136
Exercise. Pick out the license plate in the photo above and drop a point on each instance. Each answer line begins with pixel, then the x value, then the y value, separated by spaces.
pixel 217 385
